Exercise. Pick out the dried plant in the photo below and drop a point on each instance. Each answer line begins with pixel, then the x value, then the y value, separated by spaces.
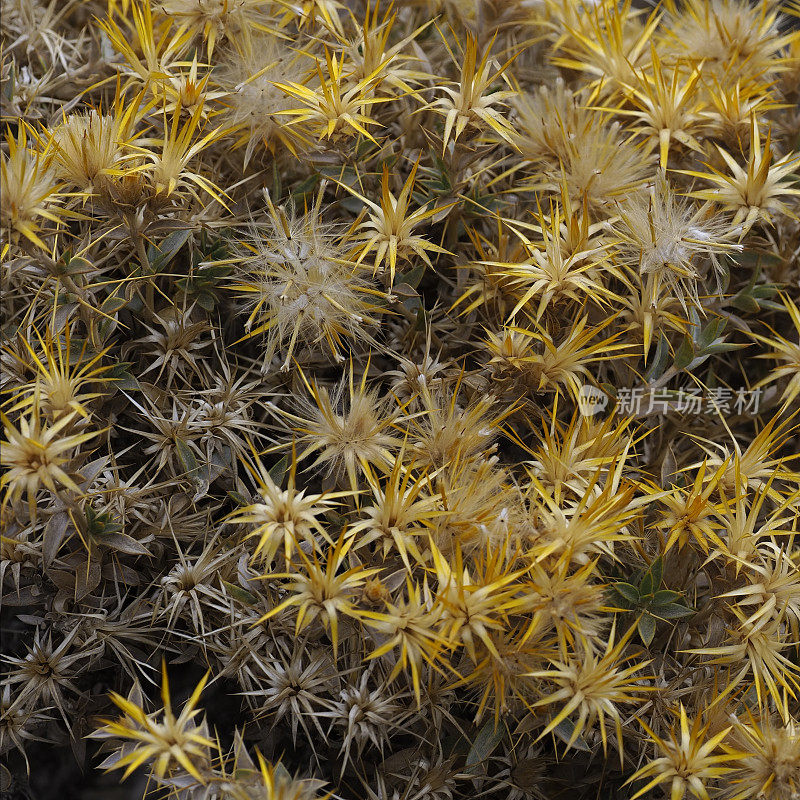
pixel 414 386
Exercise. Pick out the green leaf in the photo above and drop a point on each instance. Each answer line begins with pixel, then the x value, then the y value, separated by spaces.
pixel 187 458
pixel 413 277
pixel 75 266
pixel 206 301
pixel 484 744
pixel 278 470
pixel 651 579
pixel 305 188
pixel 240 594
pixel 203 282
pixel 168 248
pixel 659 362
pixel 724 279
pixel 657 571
pixel 745 302
pixel 239 499
pixel 723 347
pixel 764 291
pixel 627 591
pixel 664 596
pixel 404 290
pixel 113 303
pixel 277 185
pixel 351 204
pixel 120 377
pixel 769 305
pixel 564 731
pixel 710 332
pixel 647 628
pixel 685 354
pixel 672 611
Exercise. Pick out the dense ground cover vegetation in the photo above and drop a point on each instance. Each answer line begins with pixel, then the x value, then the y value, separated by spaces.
pixel 400 402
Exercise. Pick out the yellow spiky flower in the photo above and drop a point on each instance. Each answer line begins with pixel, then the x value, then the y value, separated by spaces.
pixel 333 109
pixel 471 104
pixel 689 761
pixel 29 192
pixel 389 229
pixel 786 353
pixel 594 688
pixel 320 589
pixel 35 454
pixel 283 516
pixel 756 191
pixel 163 741
pixel 667 105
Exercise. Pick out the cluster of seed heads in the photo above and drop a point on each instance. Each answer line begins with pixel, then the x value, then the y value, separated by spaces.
pixel 302 496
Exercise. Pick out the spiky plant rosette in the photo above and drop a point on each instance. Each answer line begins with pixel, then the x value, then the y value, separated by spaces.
pixel 400 401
